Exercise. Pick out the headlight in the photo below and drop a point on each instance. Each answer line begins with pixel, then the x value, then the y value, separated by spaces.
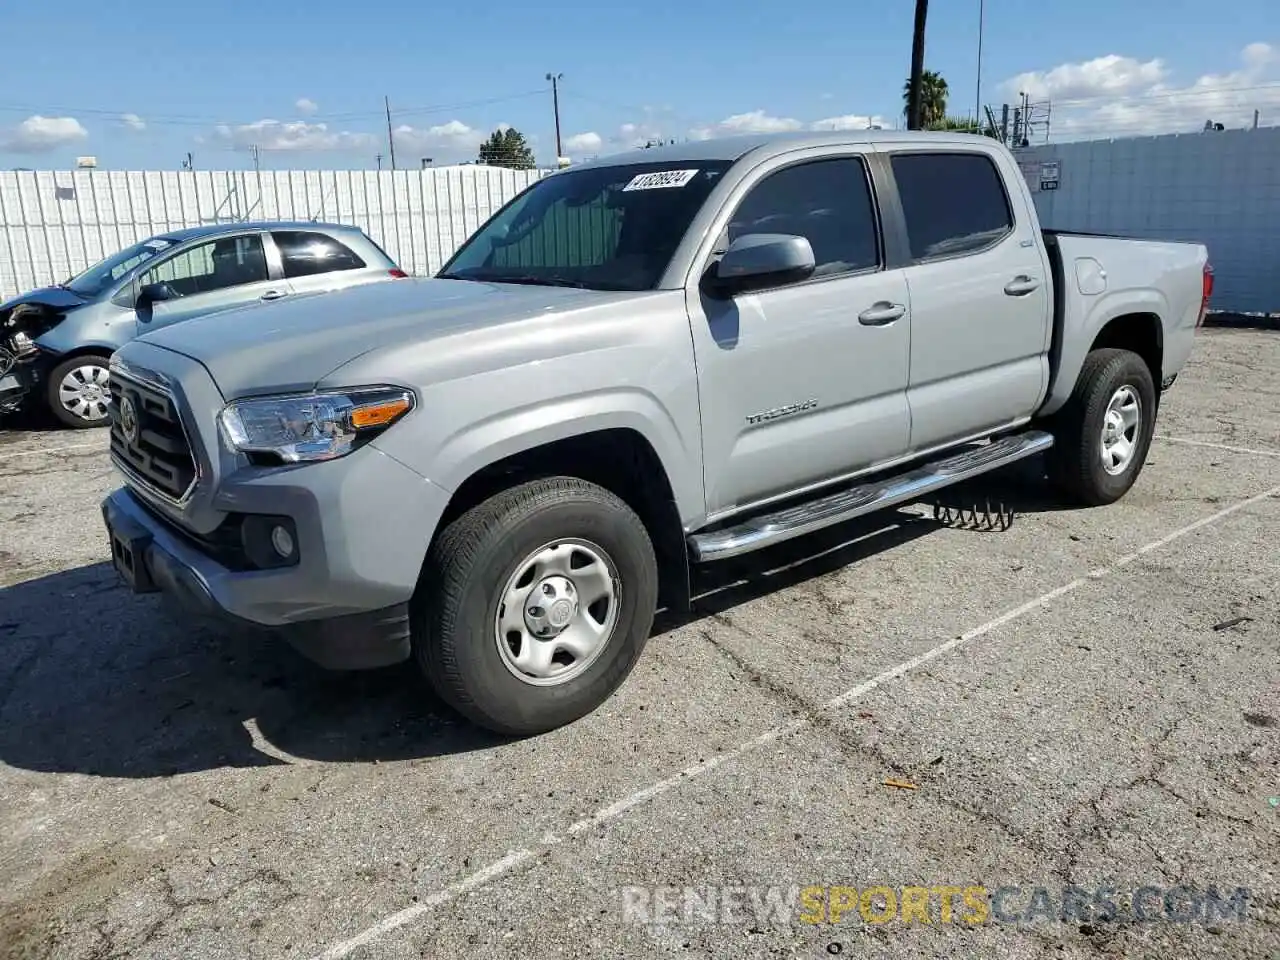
pixel 318 426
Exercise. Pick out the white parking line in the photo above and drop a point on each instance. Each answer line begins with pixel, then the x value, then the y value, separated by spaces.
pixel 1220 446
pixel 614 810
pixel 5 455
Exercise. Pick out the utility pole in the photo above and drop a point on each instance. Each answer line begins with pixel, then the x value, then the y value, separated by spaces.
pixel 555 103
pixel 977 106
pixel 391 144
pixel 917 65
pixel 253 149
pixel 379 159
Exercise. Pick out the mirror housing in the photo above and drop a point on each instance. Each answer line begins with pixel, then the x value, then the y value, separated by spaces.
pixel 762 260
pixel 154 293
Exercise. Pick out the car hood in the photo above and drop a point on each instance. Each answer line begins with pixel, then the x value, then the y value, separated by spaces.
pixel 290 345
pixel 59 297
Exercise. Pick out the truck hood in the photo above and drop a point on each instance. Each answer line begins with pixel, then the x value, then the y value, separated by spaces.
pixel 59 298
pixel 290 345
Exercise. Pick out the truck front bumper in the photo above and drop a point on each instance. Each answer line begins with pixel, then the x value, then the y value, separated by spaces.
pixel 344 604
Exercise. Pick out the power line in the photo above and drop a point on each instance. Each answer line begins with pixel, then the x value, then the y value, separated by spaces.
pixel 212 120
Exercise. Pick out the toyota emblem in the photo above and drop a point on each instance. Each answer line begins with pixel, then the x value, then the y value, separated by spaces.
pixel 128 420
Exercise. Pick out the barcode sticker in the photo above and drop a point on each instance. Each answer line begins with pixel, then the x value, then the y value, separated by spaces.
pixel 660 180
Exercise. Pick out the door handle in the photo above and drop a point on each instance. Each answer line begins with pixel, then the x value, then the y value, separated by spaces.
pixel 1020 286
pixel 878 314
pixel 273 295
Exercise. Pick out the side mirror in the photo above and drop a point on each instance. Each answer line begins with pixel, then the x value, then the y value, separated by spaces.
pixel 154 293
pixel 761 260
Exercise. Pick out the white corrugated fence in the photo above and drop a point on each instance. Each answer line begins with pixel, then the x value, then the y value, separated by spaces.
pixel 53 224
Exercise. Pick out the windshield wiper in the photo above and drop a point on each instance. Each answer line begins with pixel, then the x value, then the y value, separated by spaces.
pixel 530 279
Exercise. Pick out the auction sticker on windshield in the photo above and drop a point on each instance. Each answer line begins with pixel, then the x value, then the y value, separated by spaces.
pixel 660 179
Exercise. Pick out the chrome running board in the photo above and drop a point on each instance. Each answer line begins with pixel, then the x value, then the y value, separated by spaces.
pixel 771 528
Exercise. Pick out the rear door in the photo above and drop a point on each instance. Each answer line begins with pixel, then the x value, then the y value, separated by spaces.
pixel 804 382
pixel 313 262
pixel 981 311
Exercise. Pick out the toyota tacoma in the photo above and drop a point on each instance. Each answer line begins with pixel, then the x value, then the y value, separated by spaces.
pixel 639 364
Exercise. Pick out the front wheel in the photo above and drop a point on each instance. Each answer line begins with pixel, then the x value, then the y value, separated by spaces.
pixel 77 394
pixel 535 605
pixel 1103 432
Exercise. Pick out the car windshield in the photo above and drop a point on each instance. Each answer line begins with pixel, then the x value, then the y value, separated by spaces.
pixel 104 274
pixel 611 227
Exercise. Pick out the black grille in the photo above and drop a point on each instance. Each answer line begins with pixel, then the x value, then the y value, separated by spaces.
pixel 147 438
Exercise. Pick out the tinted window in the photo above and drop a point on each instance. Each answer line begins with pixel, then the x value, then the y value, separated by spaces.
pixel 612 227
pixel 953 202
pixel 826 201
pixel 304 253
pixel 216 265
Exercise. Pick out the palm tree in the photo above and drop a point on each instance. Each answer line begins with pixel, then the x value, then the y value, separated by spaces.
pixel 933 98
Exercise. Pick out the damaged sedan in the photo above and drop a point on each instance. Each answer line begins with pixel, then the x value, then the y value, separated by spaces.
pixel 56 342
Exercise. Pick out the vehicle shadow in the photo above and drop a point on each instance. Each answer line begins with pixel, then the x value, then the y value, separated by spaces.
pixel 97 681
pixel 29 418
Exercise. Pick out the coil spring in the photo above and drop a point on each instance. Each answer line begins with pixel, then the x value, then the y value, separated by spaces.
pixel 7 361
pixel 977 516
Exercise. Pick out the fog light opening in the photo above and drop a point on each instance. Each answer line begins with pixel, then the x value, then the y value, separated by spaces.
pixel 282 542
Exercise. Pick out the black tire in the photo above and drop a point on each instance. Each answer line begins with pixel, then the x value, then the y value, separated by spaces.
pixel 68 418
pixel 454 609
pixel 1075 461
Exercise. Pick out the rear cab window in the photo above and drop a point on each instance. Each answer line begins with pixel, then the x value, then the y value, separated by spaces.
pixel 954 203
pixel 304 253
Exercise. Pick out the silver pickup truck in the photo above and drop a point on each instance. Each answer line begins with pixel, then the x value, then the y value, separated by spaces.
pixel 653 360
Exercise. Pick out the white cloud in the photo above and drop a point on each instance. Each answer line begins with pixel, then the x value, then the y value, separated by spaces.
pixel 756 121
pixel 446 141
pixel 306 106
pixel 1101 76
pixel 38 134
pixel 131 121
pixel 583 143
pixel 1118 96
pixel 850 121
pixel 292 135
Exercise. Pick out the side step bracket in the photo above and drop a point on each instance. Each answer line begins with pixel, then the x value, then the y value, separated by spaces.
pixel 796 521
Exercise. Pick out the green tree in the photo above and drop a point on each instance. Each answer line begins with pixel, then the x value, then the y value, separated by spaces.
pixel 933 98
pixel 507 148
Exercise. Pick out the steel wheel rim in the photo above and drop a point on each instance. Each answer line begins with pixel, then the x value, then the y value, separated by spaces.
pixel 83 392
pixel 1121 428
pixel 557 612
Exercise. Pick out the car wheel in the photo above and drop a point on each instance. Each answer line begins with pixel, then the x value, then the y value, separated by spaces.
pixel 534 606
pixel 77 394
pixel 1103 432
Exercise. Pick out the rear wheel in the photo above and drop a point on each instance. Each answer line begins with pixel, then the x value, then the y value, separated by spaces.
pixel 76 392
pixel 1103 432
pixel 535 605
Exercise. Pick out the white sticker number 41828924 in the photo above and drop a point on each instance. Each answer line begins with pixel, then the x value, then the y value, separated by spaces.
pixel 660 179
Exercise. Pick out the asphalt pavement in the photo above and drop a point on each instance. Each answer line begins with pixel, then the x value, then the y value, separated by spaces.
pixel 900 738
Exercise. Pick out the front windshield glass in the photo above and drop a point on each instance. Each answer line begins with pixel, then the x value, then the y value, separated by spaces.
pixel 600 228
pixel 104 274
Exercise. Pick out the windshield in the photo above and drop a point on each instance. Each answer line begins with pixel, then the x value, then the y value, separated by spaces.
pixel 600 228
pixel 104 274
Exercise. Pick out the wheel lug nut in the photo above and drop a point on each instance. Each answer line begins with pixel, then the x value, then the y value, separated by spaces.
pixel 548 590
pixel 535 611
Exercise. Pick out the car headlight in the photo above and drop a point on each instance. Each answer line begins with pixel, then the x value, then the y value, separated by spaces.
pixel 317 426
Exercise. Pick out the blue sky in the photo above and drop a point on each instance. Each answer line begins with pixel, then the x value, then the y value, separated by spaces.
pixel 305 82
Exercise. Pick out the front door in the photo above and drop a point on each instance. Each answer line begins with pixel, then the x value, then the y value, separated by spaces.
pixel 211 276
pixel 804 382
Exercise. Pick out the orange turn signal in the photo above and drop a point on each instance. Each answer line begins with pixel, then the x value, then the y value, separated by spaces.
pixel 379 414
